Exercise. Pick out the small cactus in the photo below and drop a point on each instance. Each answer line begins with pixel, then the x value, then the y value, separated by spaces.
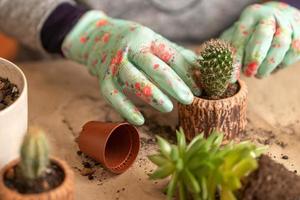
pixel 216 67
pixel 34 154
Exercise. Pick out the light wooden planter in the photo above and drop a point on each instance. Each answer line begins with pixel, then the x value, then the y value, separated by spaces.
pixel 63 192
pixel 226 115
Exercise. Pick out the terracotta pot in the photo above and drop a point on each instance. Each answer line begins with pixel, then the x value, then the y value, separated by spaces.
pixel 115 145
pixel 63 192
pixel 226 115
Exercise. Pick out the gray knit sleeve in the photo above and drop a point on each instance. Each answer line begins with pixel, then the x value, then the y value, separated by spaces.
pixel 24 19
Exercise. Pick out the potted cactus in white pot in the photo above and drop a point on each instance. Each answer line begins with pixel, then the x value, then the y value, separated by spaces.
pixel 222 104
pixel 13 110
pixel 35 175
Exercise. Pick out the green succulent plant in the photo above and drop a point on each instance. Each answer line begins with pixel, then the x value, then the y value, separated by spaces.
pixel 34 154
pixel 203 168
pixel 216 67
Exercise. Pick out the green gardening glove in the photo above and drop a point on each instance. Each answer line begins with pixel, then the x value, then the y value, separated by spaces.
pixel 266 36
pixel 127 56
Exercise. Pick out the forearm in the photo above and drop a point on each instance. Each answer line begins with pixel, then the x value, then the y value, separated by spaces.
pixel 58 24
pixel 294 3
pixel 24 20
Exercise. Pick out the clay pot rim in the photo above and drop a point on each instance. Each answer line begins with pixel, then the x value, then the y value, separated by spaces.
pixel 242 89
pixel 113 168
pixel 23 90
pixel 68 173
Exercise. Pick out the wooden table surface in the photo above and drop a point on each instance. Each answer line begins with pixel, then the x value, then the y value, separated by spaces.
pixel 63 96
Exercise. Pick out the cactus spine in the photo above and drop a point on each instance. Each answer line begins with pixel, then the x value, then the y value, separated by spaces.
pixel 216 67
pixel 34 154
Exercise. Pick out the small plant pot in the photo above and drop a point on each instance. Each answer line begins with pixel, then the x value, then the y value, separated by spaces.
pixel 13 119
pixel 115 145
pixel 227 115
pixel 65 191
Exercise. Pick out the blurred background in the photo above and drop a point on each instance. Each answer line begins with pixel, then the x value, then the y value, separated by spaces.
pixel 12 50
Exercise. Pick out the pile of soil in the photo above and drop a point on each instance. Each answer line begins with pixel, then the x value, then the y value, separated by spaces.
pixel 9 92
pixel 53 177
pixel 231 90
pixel 271 181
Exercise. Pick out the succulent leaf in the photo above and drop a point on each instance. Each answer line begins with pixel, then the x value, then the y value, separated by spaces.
pixel 164 146
pixel 179 165
pixel 174 152
pixel 195 163
pixel 227 194
pixel 172 186
pixel 181 141
pixel 259 151
pixel 163 171
pixel 182 191
pixel 197 139
pixel 158 159
pixel 203 185
pixel 191 181
pixel 244 167
pixel 196 146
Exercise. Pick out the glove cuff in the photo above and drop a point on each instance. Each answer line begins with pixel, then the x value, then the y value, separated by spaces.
pixel 58 25
pixel 77 38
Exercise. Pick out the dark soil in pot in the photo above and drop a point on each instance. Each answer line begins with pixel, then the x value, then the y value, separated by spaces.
pixel 53 177
pixel 231 90
pixel 271 181
pixel 9 92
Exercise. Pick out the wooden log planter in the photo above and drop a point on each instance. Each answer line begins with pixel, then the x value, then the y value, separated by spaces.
pixel 227 115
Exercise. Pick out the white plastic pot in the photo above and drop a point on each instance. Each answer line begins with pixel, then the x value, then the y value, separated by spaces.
pixel 14 118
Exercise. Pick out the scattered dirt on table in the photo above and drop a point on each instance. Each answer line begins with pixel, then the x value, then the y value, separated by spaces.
pixel 281 143
pixel 262 136
pixel 147 141
pixel 92 169
pixel 52 178
pixel 119 193
pixel 152 128
pixel 69 126
pixel 271 181
pixel 9 93
pixel 87 165
pixel 289 129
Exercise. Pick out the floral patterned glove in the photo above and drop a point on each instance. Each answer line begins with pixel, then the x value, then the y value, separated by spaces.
pixel 265 37
pixel 127 56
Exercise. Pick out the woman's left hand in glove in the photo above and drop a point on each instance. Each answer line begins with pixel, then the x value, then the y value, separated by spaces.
pixel 265 37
